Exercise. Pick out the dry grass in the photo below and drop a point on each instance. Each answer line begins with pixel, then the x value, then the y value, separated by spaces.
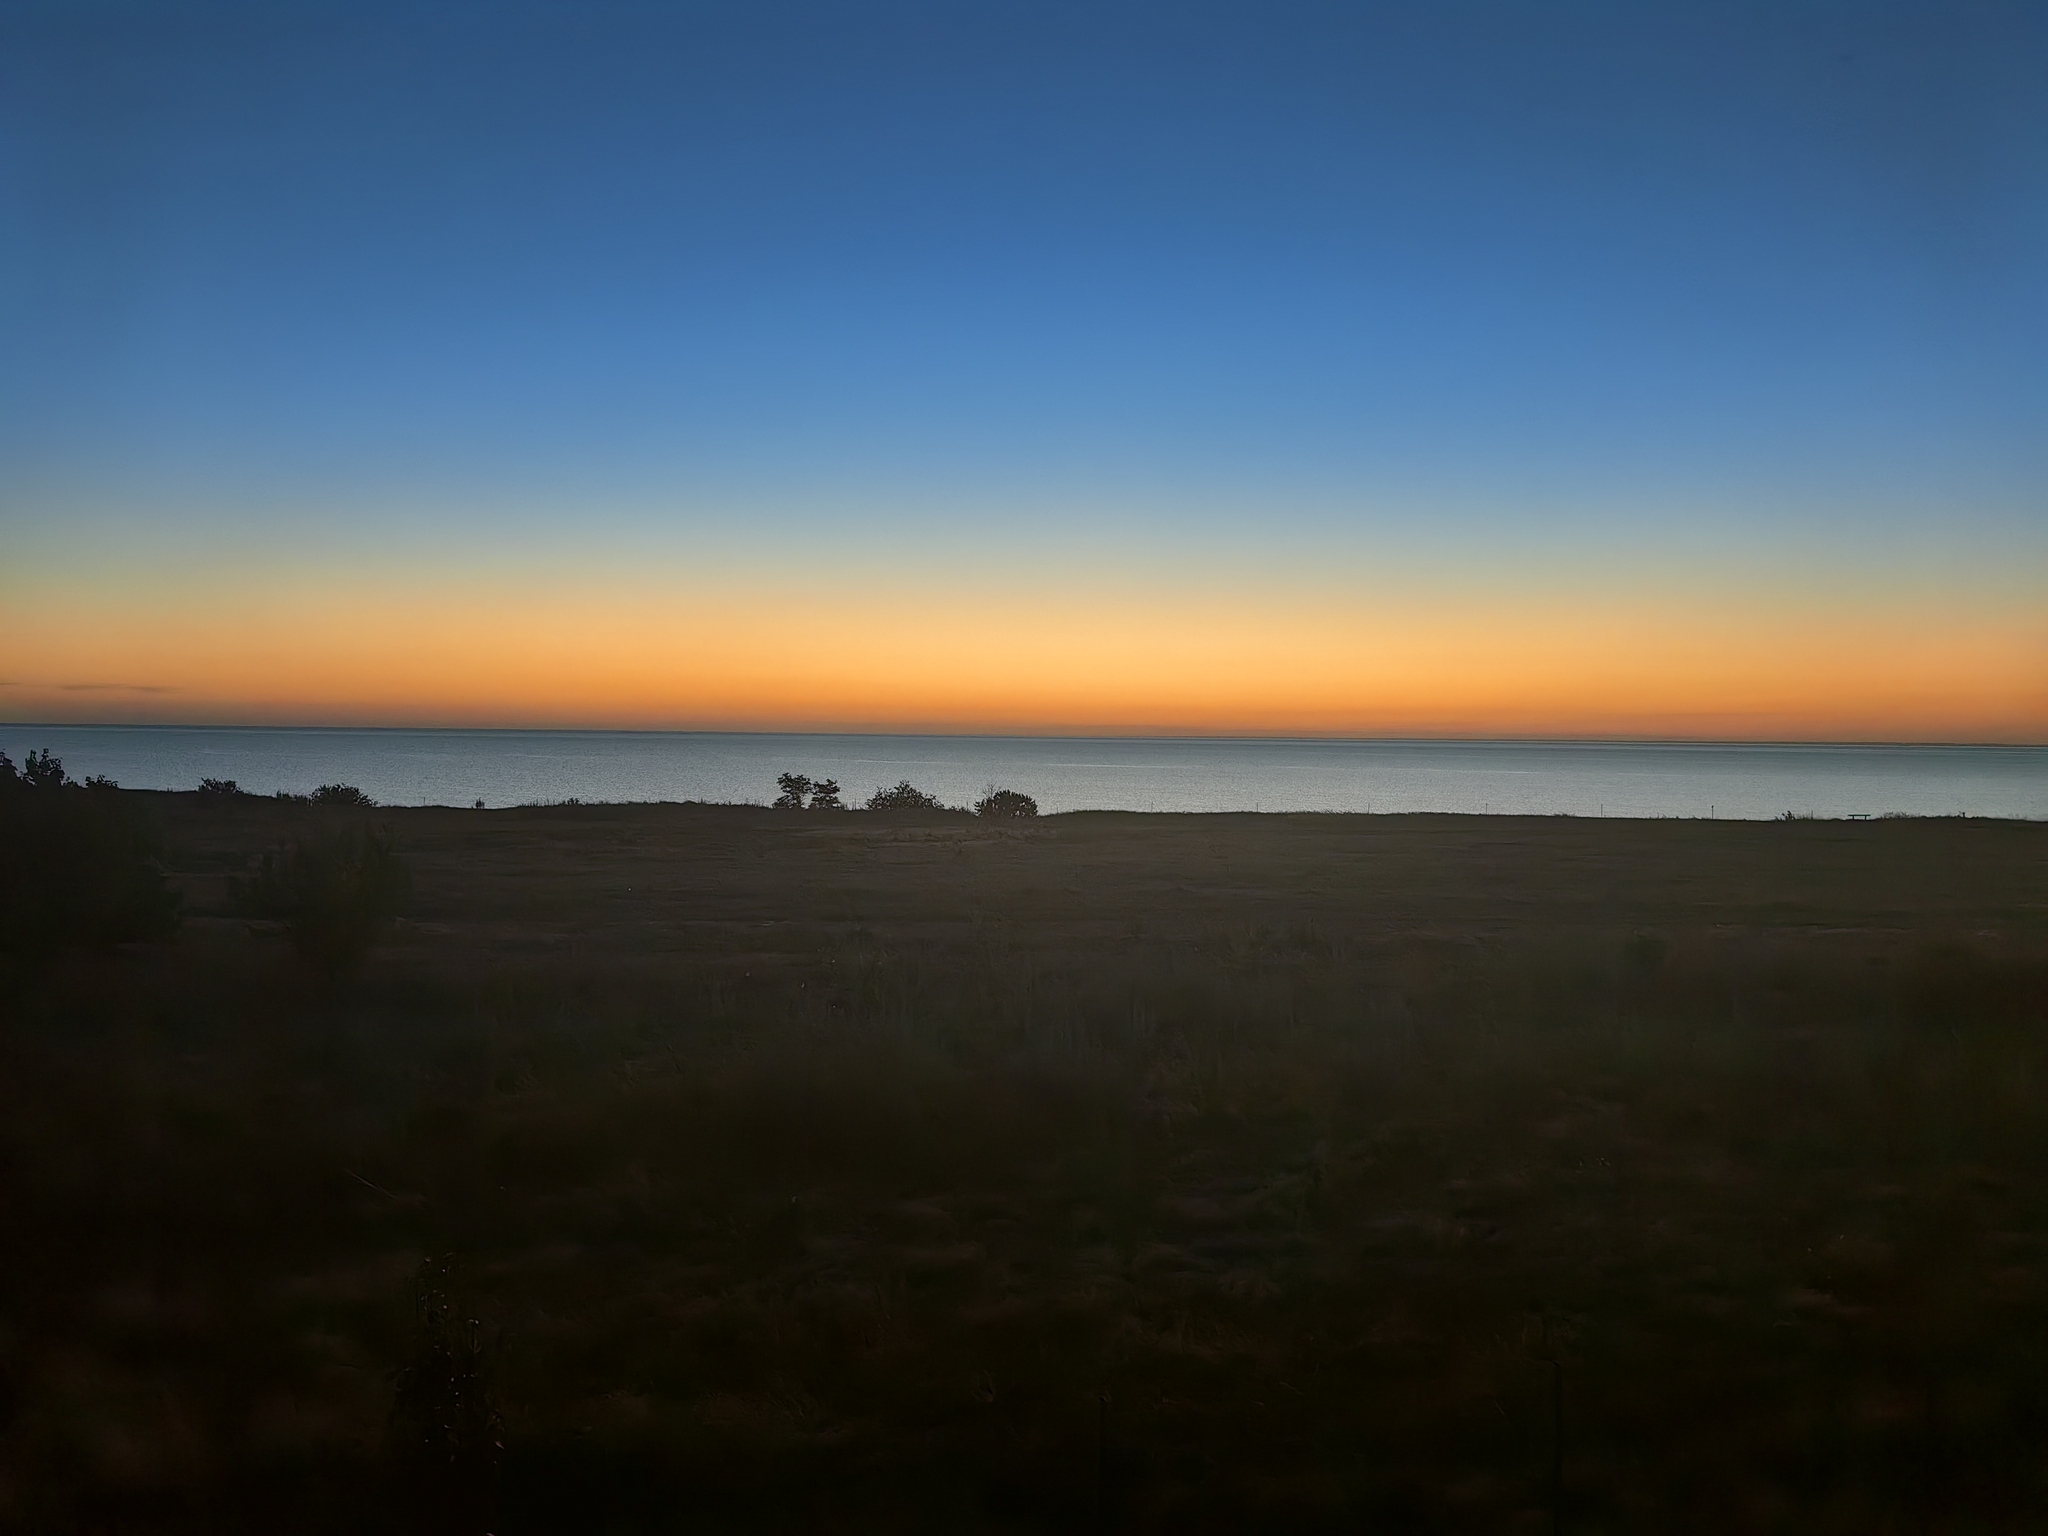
pixel 1192 1173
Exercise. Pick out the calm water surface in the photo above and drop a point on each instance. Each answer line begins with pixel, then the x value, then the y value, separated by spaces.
pixel 405 767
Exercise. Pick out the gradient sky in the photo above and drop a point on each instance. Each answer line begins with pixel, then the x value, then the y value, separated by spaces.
pixel 1472 368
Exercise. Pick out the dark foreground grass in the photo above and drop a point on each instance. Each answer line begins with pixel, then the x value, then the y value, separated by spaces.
pixel 1132 1173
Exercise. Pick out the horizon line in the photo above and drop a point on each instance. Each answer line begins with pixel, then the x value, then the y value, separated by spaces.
pixel 1422 739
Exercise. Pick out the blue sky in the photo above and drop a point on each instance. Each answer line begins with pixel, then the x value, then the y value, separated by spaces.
pixel 1298 286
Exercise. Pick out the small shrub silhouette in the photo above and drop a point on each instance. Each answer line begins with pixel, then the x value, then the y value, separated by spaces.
pixel 336 895
pixel 220 789
pixel 342 796
pixel 794 787
pixel 446 1426
pixel 825 796
pixel 78 863
pixel 1001 803
pixel 904 797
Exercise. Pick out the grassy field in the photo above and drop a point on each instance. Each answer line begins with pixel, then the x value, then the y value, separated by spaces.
pixel 1117 1172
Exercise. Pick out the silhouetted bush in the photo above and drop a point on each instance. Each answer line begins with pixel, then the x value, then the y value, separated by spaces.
pixel 825 796
pixel 904 797
pixel 221 789
pixel 78 863
pixel 336 895
pixel 1000 803
pixel 449 1434
pixel 344 796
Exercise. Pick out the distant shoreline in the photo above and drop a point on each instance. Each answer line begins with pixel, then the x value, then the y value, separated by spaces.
pixel 960 816
pixel 1593 779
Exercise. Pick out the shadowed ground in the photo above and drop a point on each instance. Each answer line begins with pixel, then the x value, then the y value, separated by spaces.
pixel 1112 1171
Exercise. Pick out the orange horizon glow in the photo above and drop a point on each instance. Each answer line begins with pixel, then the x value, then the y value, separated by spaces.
pixel 1654 667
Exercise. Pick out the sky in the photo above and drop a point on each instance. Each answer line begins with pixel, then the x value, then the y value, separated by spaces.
pixel 1448 368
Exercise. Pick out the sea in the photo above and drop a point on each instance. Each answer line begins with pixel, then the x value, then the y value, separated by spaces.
pixel 1729 780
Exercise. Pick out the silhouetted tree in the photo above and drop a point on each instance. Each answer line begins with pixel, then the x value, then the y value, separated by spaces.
pixel 220 789
pixel 1005 802
pixel 40 770
pixel 825 796
pixel 904 797
pixel 336 894
pixel 794 787
pixel 78 863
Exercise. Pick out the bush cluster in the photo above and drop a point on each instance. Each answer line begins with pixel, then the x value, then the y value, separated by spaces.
pixel 78 863
pixel 800 793
pixel 1001 803
pixel 345 797
pixel 336 894
pixel 904 797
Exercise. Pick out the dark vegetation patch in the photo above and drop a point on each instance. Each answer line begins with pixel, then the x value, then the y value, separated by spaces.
pixel 905 796
pixel 335 890
pixel 691 1168
pixel 78 865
